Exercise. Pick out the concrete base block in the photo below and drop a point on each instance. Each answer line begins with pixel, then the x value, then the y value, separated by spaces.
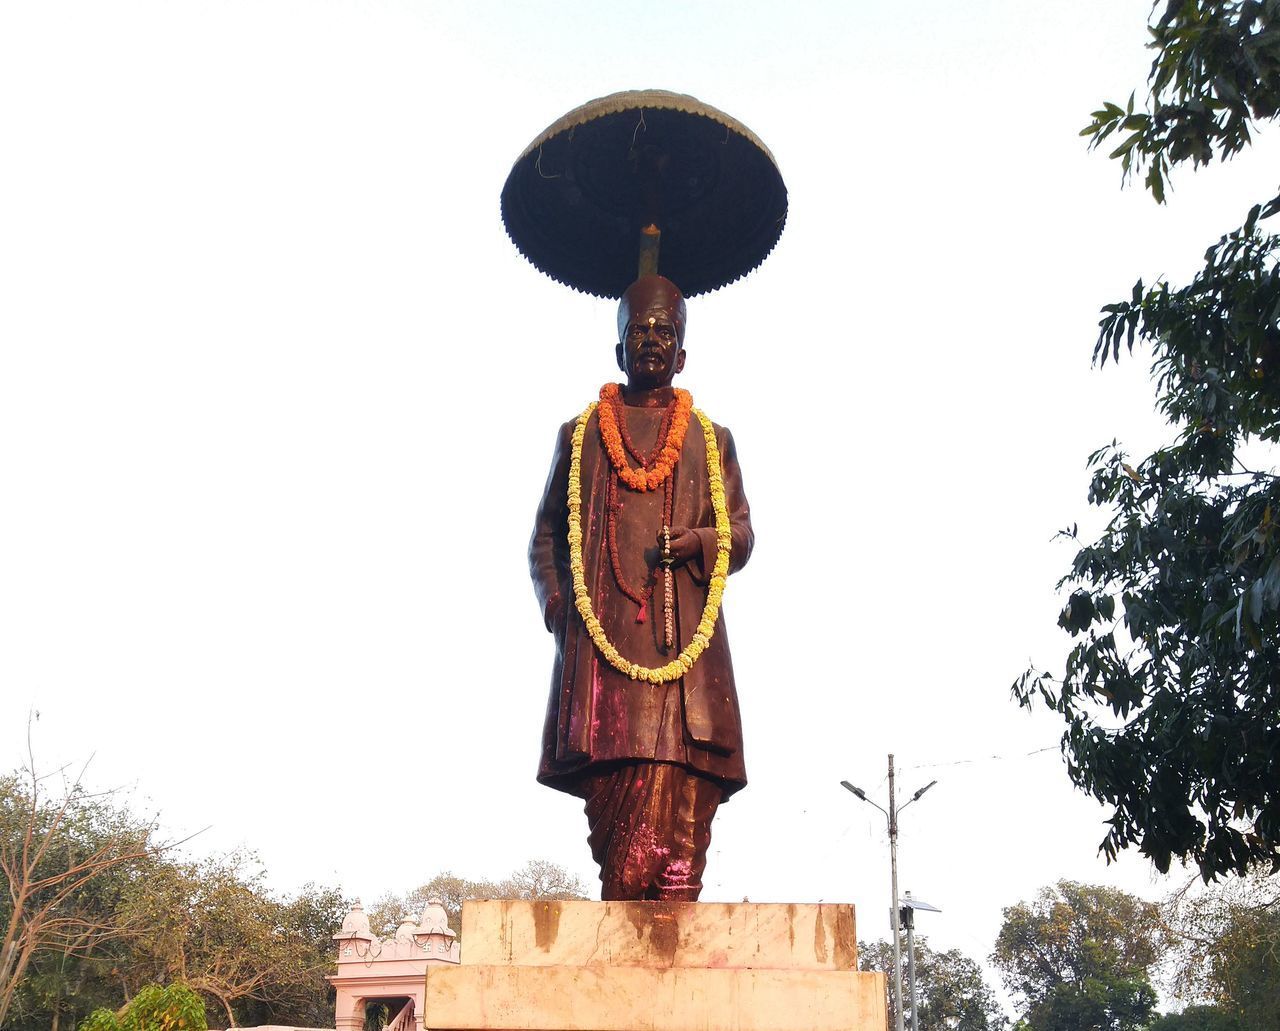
pixel 648 966
pixel 657 934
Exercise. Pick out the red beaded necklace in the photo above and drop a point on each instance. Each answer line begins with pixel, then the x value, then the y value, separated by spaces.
pixel 613 504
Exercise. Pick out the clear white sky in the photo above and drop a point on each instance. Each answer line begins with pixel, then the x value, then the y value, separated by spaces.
pixel 277 399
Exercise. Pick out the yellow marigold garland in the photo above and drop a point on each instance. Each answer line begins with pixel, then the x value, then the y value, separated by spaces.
pixel 682 663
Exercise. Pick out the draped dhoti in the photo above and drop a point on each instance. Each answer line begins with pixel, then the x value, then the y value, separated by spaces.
pixel 650 826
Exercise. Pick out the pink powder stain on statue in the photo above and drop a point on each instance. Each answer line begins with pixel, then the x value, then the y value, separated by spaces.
pixel 645 851
pixel 679 871
pixel 596 686
pixel 609 723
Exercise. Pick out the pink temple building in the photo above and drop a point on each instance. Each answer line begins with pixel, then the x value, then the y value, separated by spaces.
pixel 391 971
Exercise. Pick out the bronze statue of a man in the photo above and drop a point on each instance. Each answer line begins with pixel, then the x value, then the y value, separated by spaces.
pixel 643 720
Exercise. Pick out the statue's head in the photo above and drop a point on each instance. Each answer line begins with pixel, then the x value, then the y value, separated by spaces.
pixel 651 319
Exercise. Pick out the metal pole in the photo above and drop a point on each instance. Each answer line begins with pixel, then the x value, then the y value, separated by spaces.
pixel 896 918
pixel 650 241
pixel 911 968
pixel 897 930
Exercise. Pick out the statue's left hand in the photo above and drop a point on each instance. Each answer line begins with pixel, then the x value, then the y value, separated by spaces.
pixel 685 544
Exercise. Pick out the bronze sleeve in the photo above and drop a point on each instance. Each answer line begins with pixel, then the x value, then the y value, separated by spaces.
pixel 549 545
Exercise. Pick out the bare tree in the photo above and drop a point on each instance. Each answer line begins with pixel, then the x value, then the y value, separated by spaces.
pixel 1226 945
pixel 542 879
pixel 53 847
pixel 537 879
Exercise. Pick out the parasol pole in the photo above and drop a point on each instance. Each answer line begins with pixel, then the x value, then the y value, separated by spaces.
pixel 650 239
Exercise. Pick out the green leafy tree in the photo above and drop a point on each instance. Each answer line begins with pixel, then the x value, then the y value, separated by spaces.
pixel 303 997
pixel 952 992
pixel 1078 958
pixel 93 909
pixel 1197 1018
pixel 214 926
pixel 172 1008
pixel 1226 946
pixel 1175 610
pixel 60 988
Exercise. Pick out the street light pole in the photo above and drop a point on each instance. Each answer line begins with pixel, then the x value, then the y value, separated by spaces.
pixel 893 869
pixel 911 965
pixel 907 915
pixel 891 815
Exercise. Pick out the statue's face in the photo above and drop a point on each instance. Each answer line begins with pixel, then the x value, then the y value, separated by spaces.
pixel 650 353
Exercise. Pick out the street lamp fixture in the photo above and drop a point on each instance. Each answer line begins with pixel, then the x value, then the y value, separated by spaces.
pixel 895 919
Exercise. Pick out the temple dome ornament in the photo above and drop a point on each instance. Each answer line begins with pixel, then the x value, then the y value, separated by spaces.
pixel 355 925
pixel 435 920
pixel 395 967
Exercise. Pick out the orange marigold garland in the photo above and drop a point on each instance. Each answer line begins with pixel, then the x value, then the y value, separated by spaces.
pixel 642 479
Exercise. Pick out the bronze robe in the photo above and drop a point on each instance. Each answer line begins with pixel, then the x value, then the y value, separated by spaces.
pixel 597 715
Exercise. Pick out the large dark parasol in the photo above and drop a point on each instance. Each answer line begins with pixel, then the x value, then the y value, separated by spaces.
pixel 619 181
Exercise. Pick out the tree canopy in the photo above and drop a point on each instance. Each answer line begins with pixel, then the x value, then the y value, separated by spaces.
pixel 97 916
pixel 1196 1018
pixel 1226 947
pixel 1080 956
pixel 66 857
pixel 96 909
pixel 215 926
pixel 951 989
pixel 172 1008
pixel 1174 610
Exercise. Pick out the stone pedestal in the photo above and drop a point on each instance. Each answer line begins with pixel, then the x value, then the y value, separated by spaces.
pixel 654 966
